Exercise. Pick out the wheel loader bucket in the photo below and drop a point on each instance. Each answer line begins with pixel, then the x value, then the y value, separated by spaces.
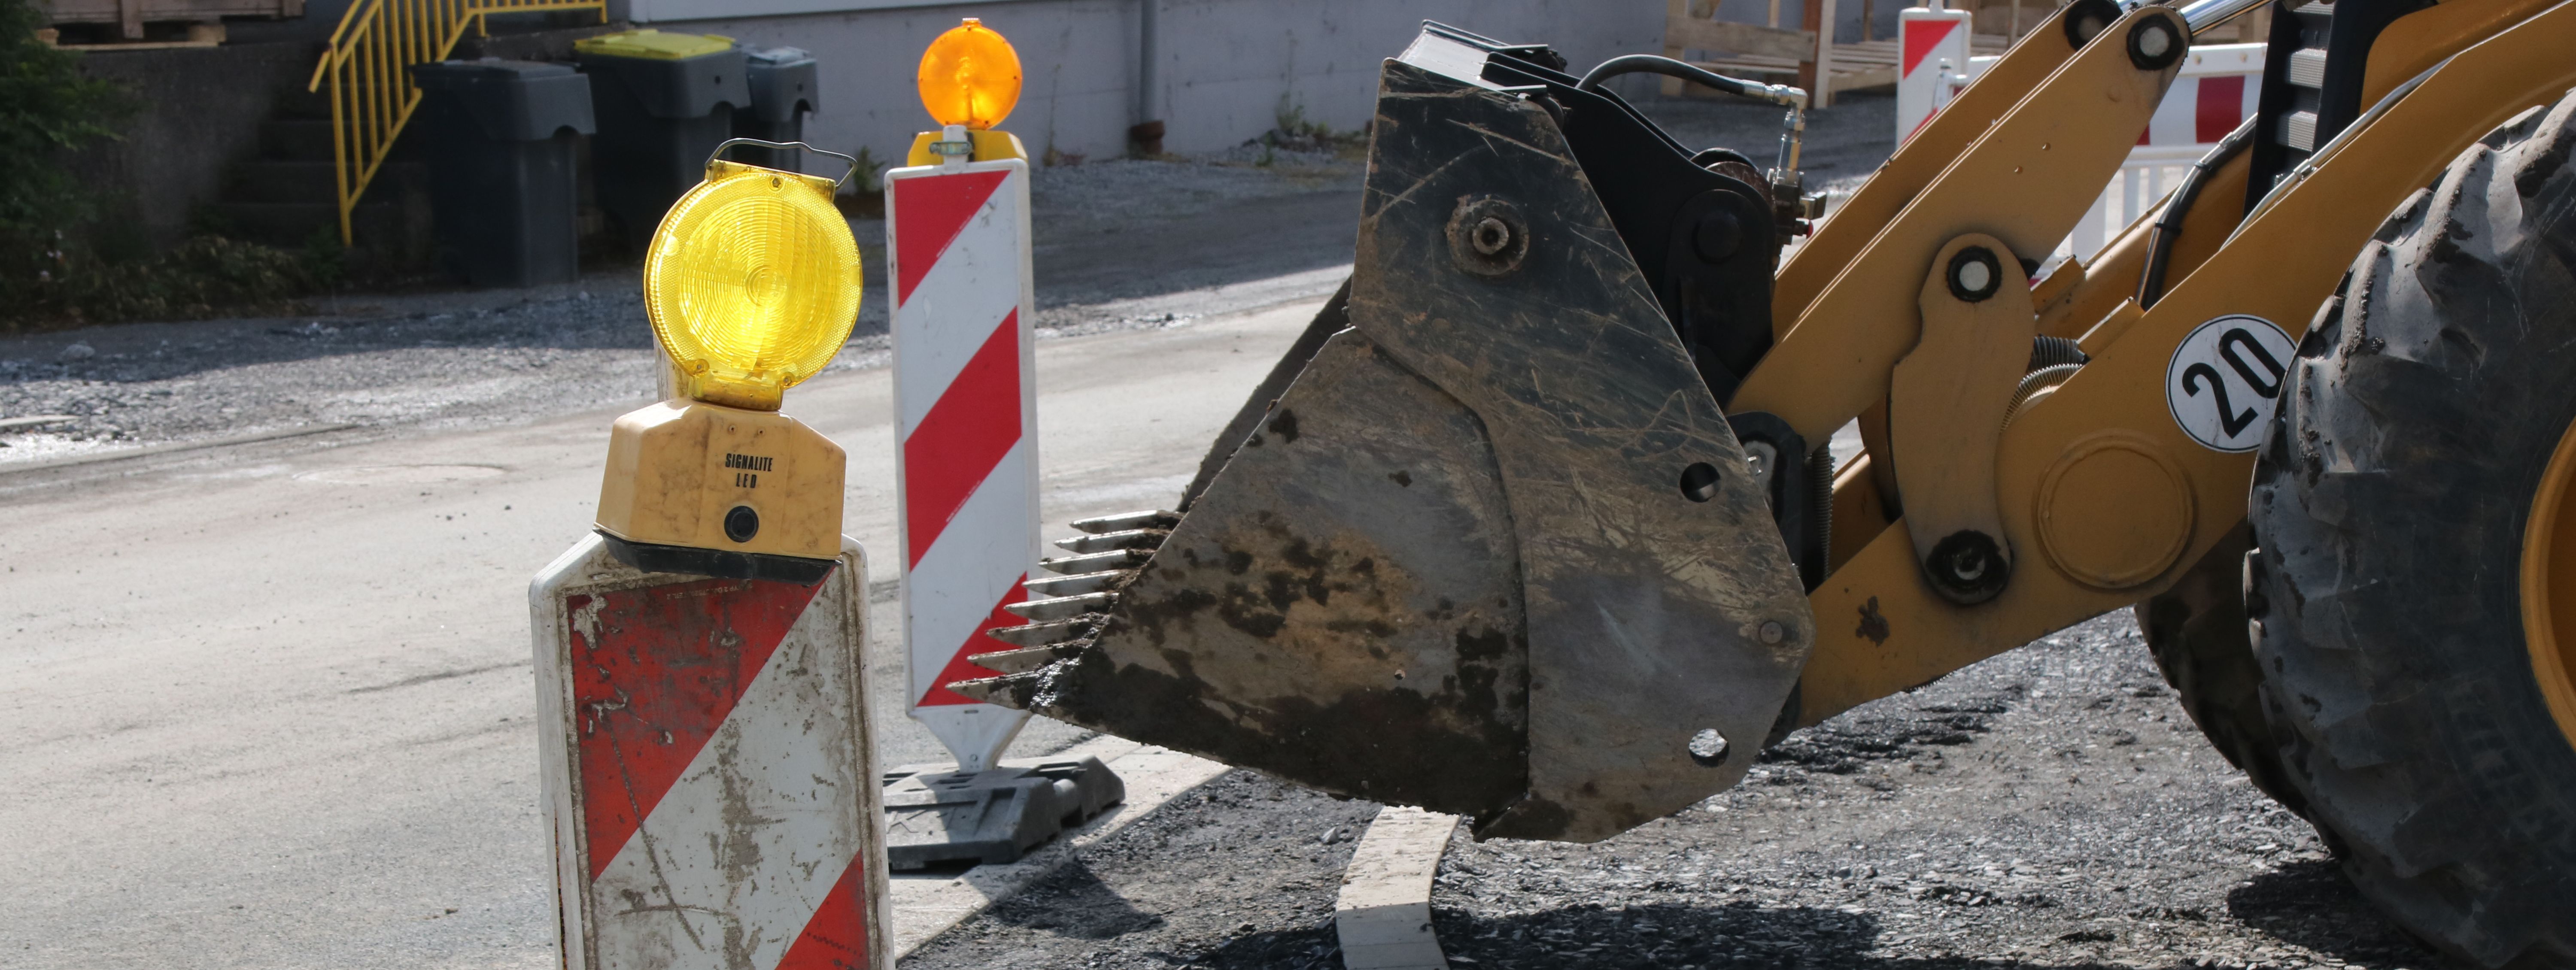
pixel 1493 551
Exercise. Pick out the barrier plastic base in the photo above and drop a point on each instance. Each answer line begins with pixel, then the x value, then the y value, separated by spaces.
pixel 935 815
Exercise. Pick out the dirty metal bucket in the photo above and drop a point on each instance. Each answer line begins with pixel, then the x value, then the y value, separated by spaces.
pixel 1494 551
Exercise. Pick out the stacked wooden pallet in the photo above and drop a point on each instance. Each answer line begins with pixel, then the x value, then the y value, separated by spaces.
pixel 1780 55
pixel 136 24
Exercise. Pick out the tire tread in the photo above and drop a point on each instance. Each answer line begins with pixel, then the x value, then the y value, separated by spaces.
pixel 2388 503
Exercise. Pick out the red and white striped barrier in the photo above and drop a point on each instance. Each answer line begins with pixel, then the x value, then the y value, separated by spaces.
pixel 1932 54
pixel 965 375
pixel 710 781
pixel 2216 90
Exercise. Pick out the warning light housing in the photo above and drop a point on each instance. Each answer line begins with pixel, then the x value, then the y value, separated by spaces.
pixel 751 283
pixel 970 76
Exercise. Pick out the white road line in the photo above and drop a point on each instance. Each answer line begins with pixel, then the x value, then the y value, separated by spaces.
pixel 1383 915
pixel 928 905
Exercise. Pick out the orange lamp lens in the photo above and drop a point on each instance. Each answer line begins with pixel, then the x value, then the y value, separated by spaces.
pixel 970 76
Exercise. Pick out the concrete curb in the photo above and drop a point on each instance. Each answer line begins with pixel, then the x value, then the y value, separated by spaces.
pixel 1383 915
pixel 928 905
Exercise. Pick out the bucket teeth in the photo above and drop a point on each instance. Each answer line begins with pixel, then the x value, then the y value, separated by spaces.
pixel 1062 607
pixel 1125 521
pixel 1042 634
pixel 1077 585
pixel 1097 561
pixel 1014 690
pixel 1147 539
pixel 1025 660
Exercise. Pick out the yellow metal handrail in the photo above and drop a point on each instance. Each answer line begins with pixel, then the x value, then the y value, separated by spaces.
pixel 369 65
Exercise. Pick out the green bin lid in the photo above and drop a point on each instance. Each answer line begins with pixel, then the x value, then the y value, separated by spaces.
pixel 650 44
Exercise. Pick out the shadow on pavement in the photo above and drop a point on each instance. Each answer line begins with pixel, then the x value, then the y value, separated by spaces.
pixel 1073 902
pixel 2311 904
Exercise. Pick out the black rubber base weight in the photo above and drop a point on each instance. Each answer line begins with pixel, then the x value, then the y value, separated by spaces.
pixel 718 563
pixel 936 817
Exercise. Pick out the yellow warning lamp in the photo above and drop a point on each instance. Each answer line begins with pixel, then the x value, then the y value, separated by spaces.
pixel 970 81
pixel 752 285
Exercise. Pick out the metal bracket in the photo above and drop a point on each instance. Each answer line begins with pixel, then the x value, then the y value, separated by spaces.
pixel 836 183
pixel 1945 415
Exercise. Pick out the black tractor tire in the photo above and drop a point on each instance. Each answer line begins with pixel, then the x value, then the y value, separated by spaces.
pixel 2196 630
pixel 2389 503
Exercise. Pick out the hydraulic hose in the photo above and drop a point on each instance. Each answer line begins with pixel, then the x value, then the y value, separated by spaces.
pixel 2160 237
pixel 1668 67
pixel 1792 129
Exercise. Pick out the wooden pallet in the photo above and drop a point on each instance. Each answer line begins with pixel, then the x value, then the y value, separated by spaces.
pixel 1776 54
pixel 199 35
pixel 131 15
pixel 1857 66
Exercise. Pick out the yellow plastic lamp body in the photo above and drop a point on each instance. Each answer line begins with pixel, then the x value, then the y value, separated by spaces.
pixel 985 146
pixel 970 76
pixel 751 284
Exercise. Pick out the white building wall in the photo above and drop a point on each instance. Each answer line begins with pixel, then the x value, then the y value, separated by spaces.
pixel 1227 67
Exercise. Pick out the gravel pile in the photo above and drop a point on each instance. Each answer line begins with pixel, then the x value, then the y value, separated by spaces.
pixel 1239 874
pixel 1121 244
pixel 2050 807
pixel 433 362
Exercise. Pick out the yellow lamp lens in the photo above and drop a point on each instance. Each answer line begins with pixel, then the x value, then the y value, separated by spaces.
pixel 970 76
pixel 752 283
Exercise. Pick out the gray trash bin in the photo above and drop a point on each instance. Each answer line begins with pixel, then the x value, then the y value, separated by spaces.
pixel 783 92
pixel 665 101
pixel 502 181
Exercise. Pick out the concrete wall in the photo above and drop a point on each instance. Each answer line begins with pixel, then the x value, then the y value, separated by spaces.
pixel 1227 67
pixel 202 108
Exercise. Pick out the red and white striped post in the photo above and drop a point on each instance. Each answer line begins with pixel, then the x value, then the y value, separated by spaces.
pixel 710 782
pixel 1932 61
pixel 2215 91
pixel 965 375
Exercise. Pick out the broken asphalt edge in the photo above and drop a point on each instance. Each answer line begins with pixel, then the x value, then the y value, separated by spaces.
pixel 927 905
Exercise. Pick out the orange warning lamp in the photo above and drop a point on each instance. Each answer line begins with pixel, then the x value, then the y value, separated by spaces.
pixel 970 76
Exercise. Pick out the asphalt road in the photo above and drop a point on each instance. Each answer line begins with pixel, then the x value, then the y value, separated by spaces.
pixel 266 704
pixel 269 705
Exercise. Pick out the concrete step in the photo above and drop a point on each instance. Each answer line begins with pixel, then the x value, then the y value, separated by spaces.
pixel 295 139
pixel 275 180
pixel 272 180
pixel 304 105
pixel 297 223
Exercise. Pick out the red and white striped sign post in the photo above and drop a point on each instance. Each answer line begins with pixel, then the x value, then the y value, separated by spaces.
pixel 965 375
pixel 2215 91
pixel 1932 55
pixel 710 781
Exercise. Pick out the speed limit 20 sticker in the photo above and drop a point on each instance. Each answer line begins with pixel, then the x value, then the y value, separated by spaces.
pixel 2226 380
